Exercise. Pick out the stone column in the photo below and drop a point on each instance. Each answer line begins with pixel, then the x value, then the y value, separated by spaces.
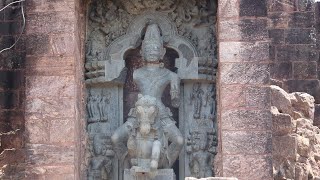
pixel 244 97
pixel 12 92
pixel 52 52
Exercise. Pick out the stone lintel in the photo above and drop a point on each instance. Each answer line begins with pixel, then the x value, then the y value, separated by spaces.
pixel 212 178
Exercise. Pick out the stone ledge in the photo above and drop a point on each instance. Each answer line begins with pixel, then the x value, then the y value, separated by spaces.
pixel 162 174
pixel 211 178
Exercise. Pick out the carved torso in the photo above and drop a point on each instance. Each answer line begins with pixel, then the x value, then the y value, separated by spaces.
pixel 152 81
pixel 139 146
pixel 98 162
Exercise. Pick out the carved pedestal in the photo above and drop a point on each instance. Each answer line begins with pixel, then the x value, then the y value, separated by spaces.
pixel 162 174
pixel 211 178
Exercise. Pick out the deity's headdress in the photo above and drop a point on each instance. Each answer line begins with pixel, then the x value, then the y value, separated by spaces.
pixel 152 35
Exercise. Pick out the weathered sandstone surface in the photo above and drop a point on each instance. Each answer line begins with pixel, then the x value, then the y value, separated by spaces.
pixel 296 141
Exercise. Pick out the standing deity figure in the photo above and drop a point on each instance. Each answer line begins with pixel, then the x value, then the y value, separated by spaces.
pixel 196 95
pixel 101 163
pixel 151 80
pixel 93 108
pixel 210 99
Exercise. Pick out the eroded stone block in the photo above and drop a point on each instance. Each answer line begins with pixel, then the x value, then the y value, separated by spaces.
pixel 284 146
pixel 162 174
pixel 248 166
pixel 246 120
pixel 212 178
pixel 246 142
pixel 282 124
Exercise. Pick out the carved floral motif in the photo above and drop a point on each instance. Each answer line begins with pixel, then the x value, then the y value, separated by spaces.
pixel 195 21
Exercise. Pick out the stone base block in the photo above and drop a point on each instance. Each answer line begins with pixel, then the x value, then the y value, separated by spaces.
pixel 211 178
pixel 162 174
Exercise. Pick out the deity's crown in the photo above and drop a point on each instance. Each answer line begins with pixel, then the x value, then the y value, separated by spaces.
pixel 152 35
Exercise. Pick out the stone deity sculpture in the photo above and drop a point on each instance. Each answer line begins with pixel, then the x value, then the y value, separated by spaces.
pixel 101 163
pixel 200 156
pixel 210 100
pixel 151 80
pixel 196 96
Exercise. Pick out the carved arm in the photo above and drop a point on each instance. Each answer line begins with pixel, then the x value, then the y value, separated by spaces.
pixel 155 156
pixel 175 91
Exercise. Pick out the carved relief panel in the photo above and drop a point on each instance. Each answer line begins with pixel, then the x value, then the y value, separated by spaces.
pixel 116 32
pixel 200 129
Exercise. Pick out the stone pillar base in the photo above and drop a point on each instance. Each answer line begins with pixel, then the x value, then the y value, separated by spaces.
pixel 211 178
pixel 162 174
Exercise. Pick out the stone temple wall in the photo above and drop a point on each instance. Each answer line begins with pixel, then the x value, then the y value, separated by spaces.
pixel 244 96
pixel 41 84
pixel 294 50
pixel 12 90
pixel 52 54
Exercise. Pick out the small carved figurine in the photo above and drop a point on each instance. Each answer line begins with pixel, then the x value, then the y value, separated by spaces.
pixel 100 167
pixel 196 96
pixel 210 100
pixel 200 159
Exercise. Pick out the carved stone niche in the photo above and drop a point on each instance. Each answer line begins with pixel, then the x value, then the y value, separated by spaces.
pixel 116 30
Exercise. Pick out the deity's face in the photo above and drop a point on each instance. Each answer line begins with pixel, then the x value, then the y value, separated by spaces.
pixel 200 141
pixel 99 9
pixel 152 52
pixel 97 146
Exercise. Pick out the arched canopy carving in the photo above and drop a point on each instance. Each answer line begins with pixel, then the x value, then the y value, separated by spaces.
pixel 113 65
pixel 132 39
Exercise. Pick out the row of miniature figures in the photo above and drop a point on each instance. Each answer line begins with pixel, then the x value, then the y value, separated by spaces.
pixel 97 107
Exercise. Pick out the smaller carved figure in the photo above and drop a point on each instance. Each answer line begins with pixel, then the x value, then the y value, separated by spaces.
pixel 102 104
pixel 204 43
pixel 97 107
pixel 200 158
pixel 93 45
pixel 196 96
pixel 93 108
pixel 96 100
pixel 210 100
pixel 111 12
pixel 212 143
pixel 89 107
pixel 100 167
pixel 96 14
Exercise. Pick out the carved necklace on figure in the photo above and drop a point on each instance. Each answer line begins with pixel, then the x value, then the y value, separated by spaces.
pixel 157 75
pixel 160 63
